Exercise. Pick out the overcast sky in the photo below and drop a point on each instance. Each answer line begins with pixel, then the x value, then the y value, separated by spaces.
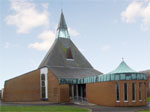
pixel 103 30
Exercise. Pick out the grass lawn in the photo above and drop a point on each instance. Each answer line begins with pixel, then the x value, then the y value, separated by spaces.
pixel 144 111
pixel 148 99
pixel 41 109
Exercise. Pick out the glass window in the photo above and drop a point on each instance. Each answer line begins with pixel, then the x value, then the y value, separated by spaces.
pixel 43 92
pixel 105 77
pixel 128 77
pixel 43 88
pixel 108 77
pixel 125 92
pixel 140 91
pixel 42 77
pixel 43 83
pixel 145 94
pixel 122 76
pixel 102 78
pixel 117 77
pixel 133 91
pixel 117 92
pixel 138 76
pixel 63 33
pixel 112 77
pixel 133 76
pixel 142 76
pixel 99 78
pixel 69 53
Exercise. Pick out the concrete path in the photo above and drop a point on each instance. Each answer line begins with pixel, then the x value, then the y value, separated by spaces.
pixel 94 108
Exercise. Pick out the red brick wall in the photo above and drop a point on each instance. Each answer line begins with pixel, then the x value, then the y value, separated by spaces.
pixel 23 88
pixel 27 88
pixel 148 86
pixel 57 93
pixel 64 93
pixel 104 93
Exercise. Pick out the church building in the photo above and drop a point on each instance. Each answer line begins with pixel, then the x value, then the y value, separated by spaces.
pixel 65 75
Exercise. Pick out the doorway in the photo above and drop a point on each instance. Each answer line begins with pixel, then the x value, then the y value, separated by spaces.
pixel 77 92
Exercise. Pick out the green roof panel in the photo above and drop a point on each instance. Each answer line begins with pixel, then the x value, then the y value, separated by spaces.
pixel 122 68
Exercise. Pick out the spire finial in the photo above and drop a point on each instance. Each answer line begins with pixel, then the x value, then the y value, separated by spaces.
pixel 122 59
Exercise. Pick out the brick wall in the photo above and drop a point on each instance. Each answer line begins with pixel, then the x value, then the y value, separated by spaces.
pixel 23 88
pixel 27 88
pixel 148 86
pixel 57 93
pixel 104 93
pixel 64 93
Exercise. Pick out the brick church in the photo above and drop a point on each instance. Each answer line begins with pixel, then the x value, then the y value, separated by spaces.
pixel 65 75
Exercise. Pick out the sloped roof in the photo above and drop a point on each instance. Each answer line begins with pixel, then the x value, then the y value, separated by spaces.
pixel 122 72
pixel 56 58
pixel 122 68
pixel 73 73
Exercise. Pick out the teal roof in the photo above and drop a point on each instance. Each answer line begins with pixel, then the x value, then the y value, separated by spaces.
pixel 122 72
pixel 122 68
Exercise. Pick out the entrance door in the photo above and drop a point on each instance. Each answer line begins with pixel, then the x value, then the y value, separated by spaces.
pixel 77 92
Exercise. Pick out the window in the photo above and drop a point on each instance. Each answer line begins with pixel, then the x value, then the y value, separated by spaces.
pixel 122 76
pixel 133 76
pixel 43 83
pixel 125 92
pixel 43 77
pixel 117 77
pixel 69 54
pixel 43 93
pixel 62 33
pixel 117 92
pixel 133 91
pixel 145 94
pixel 140 91
pixel 112 77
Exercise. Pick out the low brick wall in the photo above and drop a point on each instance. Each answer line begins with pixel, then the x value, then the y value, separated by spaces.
pixel 23 88
pixel 104 93
pixel 26 88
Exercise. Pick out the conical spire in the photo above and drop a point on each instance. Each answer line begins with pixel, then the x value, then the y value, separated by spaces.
pixel 62 30
pixel 62 22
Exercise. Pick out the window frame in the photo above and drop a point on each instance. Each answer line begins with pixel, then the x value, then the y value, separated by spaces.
pixel 69 55
pixel 117 91
pixel 43 93
pixel 125 93
pixel 140 91
pixel 145 91
pixel 134 99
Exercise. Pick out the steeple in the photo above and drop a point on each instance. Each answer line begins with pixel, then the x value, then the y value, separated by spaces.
pixel 62 30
